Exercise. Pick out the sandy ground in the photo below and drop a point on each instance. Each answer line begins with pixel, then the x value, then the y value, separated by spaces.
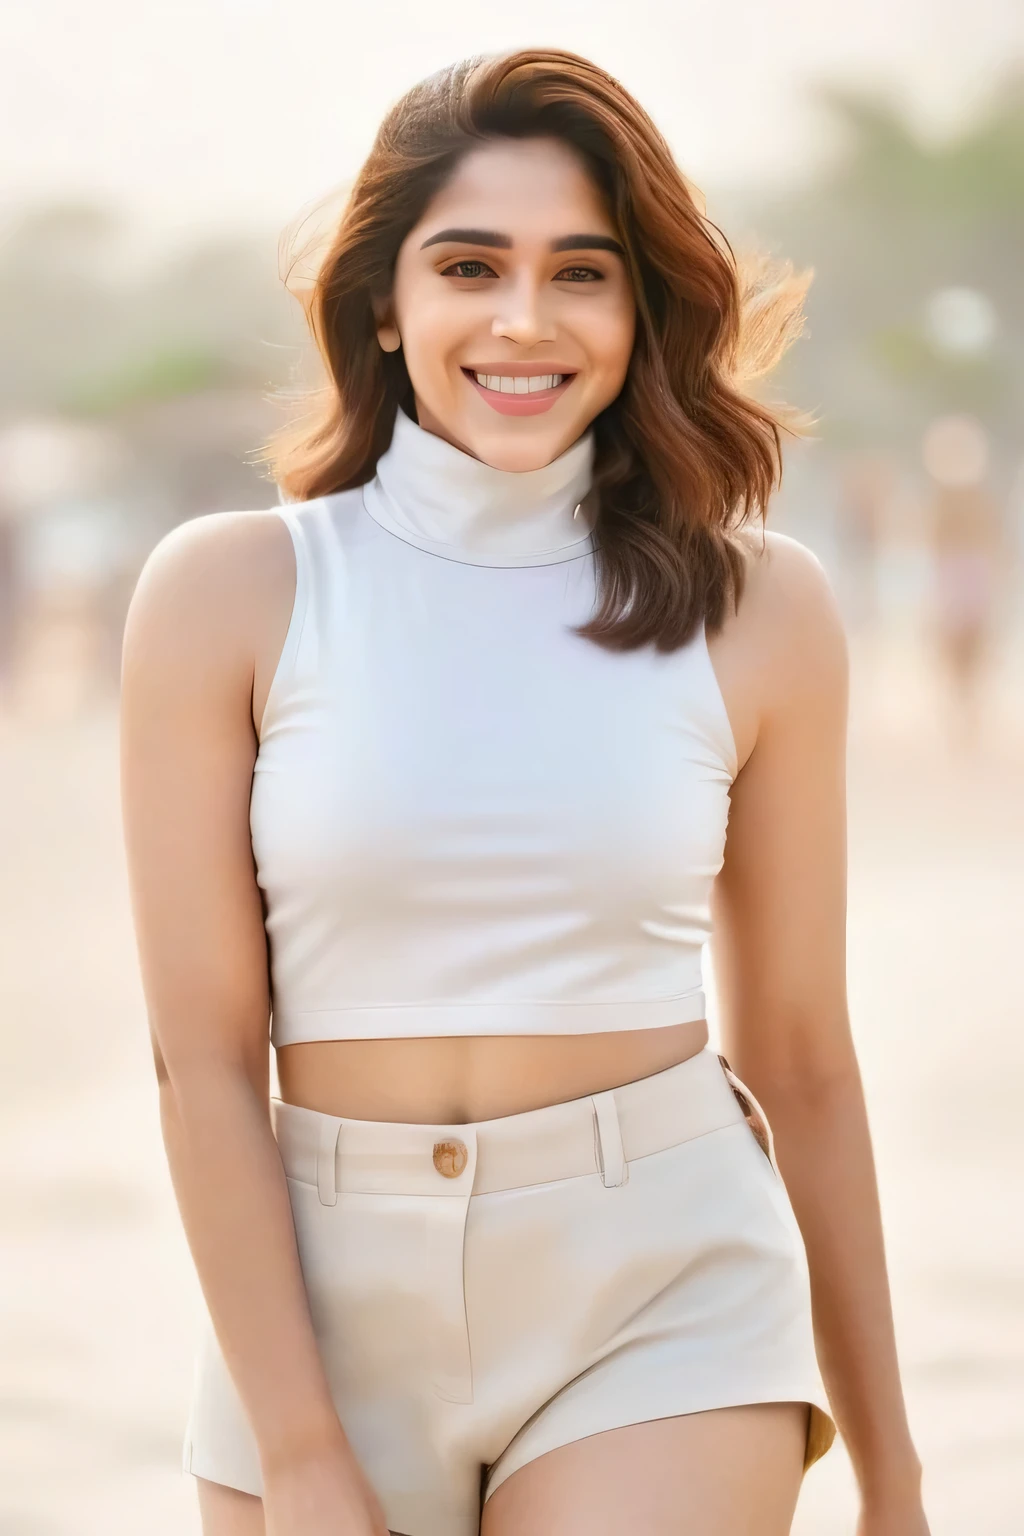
pixel 99 1301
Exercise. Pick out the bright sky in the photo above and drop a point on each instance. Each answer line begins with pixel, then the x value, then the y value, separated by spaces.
pixel 207 113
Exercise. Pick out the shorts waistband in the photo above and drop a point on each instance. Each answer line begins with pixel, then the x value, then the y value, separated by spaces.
pixel 599 1133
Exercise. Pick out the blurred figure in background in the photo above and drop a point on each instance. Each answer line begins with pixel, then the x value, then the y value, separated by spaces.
pixel 71 544
pixel 866 492
pixel 10 598
pixel 969 550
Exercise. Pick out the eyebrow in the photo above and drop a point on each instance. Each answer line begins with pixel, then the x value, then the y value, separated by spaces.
pixel 490 237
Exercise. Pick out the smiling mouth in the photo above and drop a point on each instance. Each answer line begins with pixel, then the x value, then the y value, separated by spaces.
pixel 517 384
pixel 519 394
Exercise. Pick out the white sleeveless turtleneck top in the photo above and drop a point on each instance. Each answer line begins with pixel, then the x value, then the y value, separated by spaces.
pixel 466 819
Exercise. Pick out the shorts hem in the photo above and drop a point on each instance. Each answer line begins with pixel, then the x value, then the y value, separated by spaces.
pixel 821 1428
pixel 194 1466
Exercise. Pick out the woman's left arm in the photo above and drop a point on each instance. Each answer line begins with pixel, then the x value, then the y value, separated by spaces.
pixel 779 953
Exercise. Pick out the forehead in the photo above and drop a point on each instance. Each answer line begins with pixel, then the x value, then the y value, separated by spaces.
pixel 520 185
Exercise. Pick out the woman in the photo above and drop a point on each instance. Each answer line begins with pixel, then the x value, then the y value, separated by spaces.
pixel 433 766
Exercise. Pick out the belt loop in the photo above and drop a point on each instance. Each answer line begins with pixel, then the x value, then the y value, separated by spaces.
pixel 326 1151
pixel 614 1168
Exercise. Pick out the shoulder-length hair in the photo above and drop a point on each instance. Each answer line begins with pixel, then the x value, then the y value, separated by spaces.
pixel 684 455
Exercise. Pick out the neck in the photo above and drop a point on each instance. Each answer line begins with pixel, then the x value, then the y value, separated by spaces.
pixel 434 495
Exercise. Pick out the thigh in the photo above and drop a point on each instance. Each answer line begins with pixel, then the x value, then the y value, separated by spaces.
pixel 727 1472
pixel 227 1511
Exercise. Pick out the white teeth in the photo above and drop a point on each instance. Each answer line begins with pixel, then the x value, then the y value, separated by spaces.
pixel 505 384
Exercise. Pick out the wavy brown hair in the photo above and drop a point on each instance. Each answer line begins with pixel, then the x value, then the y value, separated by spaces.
pixel 685 454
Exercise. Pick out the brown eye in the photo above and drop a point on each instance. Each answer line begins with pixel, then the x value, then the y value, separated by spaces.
pixel 468 269
pixel 579 275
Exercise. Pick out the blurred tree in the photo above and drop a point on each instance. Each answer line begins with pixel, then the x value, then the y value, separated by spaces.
pixel 82 332
pixel 897 230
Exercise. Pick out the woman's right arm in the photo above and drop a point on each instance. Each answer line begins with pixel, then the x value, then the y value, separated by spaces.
pixel 199 619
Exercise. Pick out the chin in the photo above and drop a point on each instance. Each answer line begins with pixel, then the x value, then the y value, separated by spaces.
pixel 507 446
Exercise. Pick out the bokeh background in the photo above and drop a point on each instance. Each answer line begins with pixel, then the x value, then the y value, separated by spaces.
pixel 154 159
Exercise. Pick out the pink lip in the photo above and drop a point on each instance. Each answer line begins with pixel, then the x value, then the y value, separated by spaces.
pixel 522 405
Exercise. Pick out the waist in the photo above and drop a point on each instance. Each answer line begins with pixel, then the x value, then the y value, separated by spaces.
pixel 341 1154
pixel 462 1079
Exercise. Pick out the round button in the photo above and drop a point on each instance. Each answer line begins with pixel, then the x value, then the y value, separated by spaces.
pixel 450 1157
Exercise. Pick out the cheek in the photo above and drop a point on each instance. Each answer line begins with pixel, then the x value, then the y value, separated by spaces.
pixel 433 330
pixel 610 341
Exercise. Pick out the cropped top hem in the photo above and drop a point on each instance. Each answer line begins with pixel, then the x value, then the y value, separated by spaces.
pixel 423 1020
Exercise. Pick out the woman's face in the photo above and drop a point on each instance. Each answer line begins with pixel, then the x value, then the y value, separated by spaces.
pixel 512 305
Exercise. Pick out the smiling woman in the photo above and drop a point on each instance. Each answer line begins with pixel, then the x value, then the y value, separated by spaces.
pixel 501 306
pixel 441 769
pixel 523 215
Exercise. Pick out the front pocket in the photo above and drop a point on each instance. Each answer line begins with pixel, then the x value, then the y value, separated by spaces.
pixel 754 1115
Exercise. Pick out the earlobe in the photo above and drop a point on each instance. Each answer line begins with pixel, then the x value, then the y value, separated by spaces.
pixel 384 318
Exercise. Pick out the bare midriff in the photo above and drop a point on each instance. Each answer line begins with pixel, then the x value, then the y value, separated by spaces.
pixel 457 1080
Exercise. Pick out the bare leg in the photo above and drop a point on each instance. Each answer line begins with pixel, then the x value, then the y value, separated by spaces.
pixel 730 1472
pixel 227 1511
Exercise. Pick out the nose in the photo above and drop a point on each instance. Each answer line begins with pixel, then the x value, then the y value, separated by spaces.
pixel 522 316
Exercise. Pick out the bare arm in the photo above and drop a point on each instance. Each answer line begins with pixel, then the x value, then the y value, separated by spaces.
pixel 779 950
pixel 188 748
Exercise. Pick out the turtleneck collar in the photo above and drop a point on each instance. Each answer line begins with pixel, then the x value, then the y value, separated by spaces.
pixel 431 494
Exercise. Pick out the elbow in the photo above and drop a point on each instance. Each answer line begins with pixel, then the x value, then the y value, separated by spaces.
pixel 190 1086
pixel 818 1087
pixel 159 1065
pixel 807 1060
pixel 218 1052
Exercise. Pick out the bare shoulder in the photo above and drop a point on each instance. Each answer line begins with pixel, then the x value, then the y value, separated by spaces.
pixel 782 572
pixel 789 618
pixel 208 596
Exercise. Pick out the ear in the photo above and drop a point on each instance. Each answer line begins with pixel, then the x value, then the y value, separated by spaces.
pixel 387 331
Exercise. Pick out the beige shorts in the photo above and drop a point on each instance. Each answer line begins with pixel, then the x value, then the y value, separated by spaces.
pixel 484 1293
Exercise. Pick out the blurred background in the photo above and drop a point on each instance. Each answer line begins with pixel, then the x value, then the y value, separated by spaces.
pixel 155 157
